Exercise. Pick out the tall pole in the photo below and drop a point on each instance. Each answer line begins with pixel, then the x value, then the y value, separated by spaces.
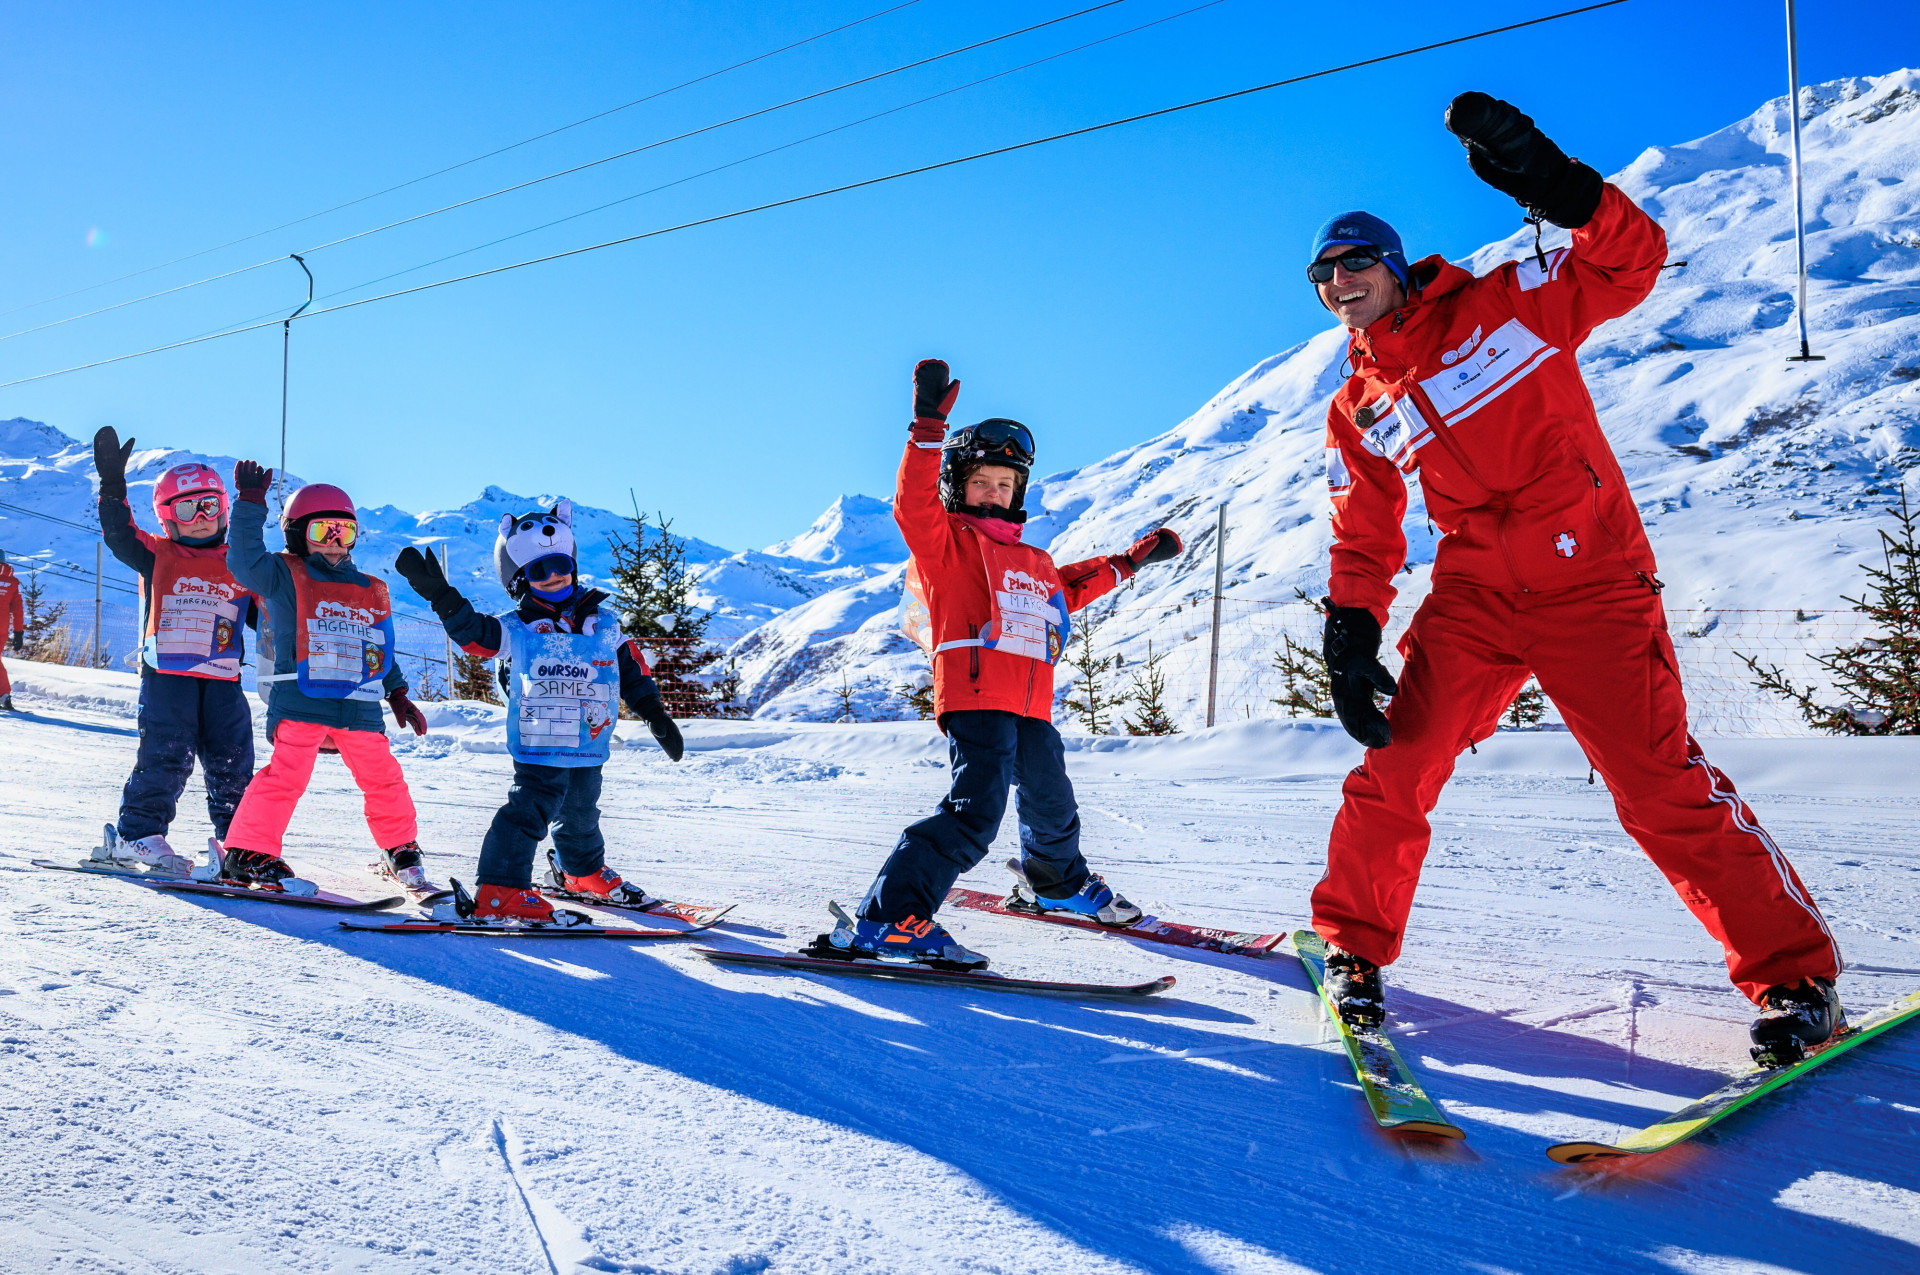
pixel 1219 576
pixel 1806 355
pixel 286 345
pixel 98 562
pixel 449 636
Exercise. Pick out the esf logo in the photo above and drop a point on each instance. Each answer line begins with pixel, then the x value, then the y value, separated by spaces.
pixel 562 670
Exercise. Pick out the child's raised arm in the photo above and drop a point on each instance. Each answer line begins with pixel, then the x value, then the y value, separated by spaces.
pixel 474 633
pixel 916 495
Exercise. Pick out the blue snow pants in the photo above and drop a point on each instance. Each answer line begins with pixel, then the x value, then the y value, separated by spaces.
pixel 991 750
pixel 564 798
pixel 182 718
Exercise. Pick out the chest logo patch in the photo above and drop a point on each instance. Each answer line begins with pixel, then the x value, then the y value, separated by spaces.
pixel 1565 545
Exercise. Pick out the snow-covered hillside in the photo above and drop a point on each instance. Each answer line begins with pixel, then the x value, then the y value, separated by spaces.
pixel 1761 481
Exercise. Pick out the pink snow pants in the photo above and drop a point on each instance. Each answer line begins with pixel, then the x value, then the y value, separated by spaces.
pixel 267 808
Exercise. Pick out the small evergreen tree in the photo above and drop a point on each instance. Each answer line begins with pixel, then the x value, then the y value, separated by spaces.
pixel 919 696
pixel 1095 707
pixel 44 620
pixel 473 678
pixel 1529 707
pixel 1880 674
pixel 1306 688
pixel 1149 696
pixel 845 693
pixel 653 588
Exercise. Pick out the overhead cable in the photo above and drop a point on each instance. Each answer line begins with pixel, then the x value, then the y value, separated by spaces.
pixel 849 186
pixel 526 141
pixel 577 168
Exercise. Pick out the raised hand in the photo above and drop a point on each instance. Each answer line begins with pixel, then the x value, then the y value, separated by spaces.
pixel 110 462
pixel 934 393
pixel 1509 153
pixel 251 480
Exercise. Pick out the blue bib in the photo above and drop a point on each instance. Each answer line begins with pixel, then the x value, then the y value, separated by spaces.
pixel 564 693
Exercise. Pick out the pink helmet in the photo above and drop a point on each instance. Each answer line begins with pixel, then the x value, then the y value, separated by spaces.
pixel 308 502
pixel 189 479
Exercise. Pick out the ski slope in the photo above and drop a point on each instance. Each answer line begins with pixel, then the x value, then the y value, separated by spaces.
pixel 195 1086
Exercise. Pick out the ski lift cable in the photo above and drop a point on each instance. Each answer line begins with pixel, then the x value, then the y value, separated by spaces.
pixel 46 517
pixel 566 172
pixel 849 186
pixel 526 141
pixel 679 181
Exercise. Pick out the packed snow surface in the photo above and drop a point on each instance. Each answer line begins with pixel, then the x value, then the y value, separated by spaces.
pixel 215 1086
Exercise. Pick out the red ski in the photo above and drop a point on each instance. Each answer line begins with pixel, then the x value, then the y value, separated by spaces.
pixel 1151 928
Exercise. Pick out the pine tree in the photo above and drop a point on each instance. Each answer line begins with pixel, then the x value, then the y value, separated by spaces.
pixel 473 678
pixel 1149 696
pixel 1306 688
pixel 1095 708
pixel 653 588
pixel 1529 707
pixel 845 693
pixel 1880 674
pixel 919 696
pixel 44 620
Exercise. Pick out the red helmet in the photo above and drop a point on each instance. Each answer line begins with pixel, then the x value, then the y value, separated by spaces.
pixel 308 502
pixel 189 479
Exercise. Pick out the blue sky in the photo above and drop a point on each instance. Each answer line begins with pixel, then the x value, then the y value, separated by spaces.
pixel 740 376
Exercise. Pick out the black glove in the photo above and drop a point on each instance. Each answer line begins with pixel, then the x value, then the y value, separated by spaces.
pixel 1159 545
pixel 1507 152
pixel 251 480
pixel 422 572
pixel 110 462
pixel 1352 649
pixel 19 641
pixel 933 398
pixel 653 711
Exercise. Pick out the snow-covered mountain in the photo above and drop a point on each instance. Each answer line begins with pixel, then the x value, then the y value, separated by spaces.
pixel 1762 481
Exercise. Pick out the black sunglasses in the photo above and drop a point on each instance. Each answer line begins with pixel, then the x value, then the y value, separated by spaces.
pixel 1354 259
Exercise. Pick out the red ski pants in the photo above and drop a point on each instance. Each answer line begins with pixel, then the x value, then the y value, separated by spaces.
pixel 267 808
pixel 1602 655
pixel 6 683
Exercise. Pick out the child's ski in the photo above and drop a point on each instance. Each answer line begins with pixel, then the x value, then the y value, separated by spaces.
pixel 1393 1093
pixel 426 896
pixel 913 973
pixel 427 925
pixel 1723 1102
pixel 1147 927
pixel 184 885
pixel 699 915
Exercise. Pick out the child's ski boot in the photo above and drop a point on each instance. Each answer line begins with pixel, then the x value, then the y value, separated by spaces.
pixel 1353 987
pixel 230 865
pixel 153 853
pixel 1794 1018
pixel 1095 899
pixel 922 942
pixel 606 886
pixel 402 863
pixel 504 906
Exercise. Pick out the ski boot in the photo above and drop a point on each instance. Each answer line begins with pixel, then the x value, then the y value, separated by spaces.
pixel 922 942
pixel 153 853
pixel 402 863
pixel 1095 900
pixel 6 703
pixel 230 865
pixel 1795 1018
pixel 1353 988
pixel 504 906
pixel 606 886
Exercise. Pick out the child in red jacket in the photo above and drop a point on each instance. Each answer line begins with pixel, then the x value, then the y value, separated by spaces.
pixel 993 614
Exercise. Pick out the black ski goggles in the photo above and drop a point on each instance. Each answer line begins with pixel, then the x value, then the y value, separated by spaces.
pixel 549 566
pixel 1354 259
pixel 994 439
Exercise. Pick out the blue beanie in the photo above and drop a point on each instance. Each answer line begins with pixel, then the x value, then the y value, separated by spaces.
pixel 1362 229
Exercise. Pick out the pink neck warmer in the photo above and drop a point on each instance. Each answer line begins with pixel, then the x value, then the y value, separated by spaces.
pixel 995 529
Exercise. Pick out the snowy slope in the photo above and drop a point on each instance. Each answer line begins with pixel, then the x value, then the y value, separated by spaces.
pixel 1761 481
pixel 234 1087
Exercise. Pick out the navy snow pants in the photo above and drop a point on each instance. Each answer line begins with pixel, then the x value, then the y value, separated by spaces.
pixel 991 750
pixel 564 798
pixel 182 718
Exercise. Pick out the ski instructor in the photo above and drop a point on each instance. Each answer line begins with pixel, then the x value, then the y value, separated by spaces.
pixel 1543 569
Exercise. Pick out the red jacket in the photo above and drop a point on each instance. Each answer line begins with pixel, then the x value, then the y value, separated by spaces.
pixel 1474 385
pixel 952 561
pixel 13 614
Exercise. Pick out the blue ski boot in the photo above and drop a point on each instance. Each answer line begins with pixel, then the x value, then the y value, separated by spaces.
pixel 922 942
pixel 1096 900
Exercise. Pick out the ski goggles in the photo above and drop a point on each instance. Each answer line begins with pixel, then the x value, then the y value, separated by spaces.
pixel 188 508
pixel 333 531
pixel 995 439
pixel 549 566
pixel 1354 259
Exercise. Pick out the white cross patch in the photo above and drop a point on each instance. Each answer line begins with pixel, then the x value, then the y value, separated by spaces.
pixel 1565 545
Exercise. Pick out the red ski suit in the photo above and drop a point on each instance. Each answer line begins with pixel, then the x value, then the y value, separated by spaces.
pixel 1543 569
pixel 952 561
pixel 13 619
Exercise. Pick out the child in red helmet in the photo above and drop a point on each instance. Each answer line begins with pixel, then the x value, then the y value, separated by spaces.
pixel 193 618
pixel 993 613
pixel 332 639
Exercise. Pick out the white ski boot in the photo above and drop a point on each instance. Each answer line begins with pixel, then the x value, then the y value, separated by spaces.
pixel 152 853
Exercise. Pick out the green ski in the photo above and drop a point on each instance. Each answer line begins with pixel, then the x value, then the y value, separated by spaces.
pixel 1723 1102
pixel 1393 1092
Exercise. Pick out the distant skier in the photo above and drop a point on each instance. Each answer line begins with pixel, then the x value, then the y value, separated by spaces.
pixel 1543 569
pixel 193 618
pixel 13 622
pixel 995 619
pixel 570 668
pixel 333 662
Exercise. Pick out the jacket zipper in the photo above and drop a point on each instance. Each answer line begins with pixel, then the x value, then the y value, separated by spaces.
pixel 1444 436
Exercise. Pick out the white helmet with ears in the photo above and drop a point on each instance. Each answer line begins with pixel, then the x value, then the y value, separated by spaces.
pixel 526 538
